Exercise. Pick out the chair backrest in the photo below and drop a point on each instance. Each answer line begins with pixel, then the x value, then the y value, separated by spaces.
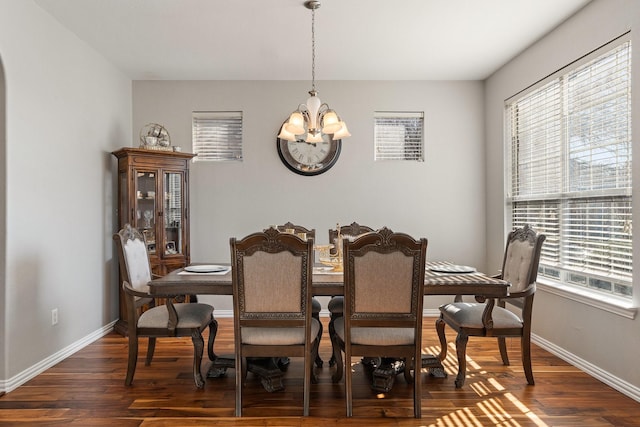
pixel 521 258
pixel 384 280
pixel 272 276
pixel 350 232
pixel 133 257
pixel 310 232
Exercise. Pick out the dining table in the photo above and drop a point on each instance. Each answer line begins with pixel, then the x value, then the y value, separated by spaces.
pixel 441 278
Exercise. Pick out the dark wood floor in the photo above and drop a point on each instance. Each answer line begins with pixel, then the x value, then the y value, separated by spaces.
pixel 87 389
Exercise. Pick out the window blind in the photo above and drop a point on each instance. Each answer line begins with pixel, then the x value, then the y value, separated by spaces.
pixel 569 144
pixel 217 135
pixel 398 135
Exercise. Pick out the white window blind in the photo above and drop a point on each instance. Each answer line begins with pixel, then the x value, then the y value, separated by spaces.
pixel 570 170
pixel 217 135
pixel 398 135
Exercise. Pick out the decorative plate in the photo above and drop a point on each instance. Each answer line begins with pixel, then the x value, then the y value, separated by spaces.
pixel 205 268
pixel 459 269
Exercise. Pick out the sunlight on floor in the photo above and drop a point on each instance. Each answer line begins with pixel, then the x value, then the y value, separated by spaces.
pixel 492 408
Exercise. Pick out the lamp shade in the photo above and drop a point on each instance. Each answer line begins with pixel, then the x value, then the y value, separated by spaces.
pixel 286 135
pixel 330 122
pixel 314 138
pixel 343 132
pixel 295 124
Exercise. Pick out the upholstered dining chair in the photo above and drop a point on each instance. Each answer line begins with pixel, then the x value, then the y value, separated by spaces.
pixel 145 319
pixel 300 230
pixel 272 277
pixel 336 303
pixel 491 319
pixel 384 290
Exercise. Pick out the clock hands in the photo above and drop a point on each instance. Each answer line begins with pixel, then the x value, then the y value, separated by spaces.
pixel 306 142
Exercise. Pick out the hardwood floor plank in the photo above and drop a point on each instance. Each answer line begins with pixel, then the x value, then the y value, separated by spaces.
pixel 87 389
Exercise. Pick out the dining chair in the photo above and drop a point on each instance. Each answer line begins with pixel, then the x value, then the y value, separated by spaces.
pixel 383 295
pixel 272 277
pixel 491 319
pixel 336 303
pixel 146 319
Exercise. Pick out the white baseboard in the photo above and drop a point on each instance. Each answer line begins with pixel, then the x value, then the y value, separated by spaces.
pixel 616 383
pixel 35 370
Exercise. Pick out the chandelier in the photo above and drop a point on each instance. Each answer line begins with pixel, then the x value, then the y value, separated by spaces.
pixel 314 118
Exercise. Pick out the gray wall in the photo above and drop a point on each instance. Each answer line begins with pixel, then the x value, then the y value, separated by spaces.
pixel 66 109
pixel 441 198
pixel 597 339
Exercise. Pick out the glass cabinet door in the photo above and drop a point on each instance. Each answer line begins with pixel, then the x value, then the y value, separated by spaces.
pixel 146 207
pixel 173 221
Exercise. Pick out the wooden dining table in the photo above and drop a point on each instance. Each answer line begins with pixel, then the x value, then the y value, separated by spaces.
pixel 441 278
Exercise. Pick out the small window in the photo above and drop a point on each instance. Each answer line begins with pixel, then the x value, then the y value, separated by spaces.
pixel 398 135
pixel 217 136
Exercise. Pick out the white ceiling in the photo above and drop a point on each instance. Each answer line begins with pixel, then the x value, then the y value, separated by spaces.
pixel 271 39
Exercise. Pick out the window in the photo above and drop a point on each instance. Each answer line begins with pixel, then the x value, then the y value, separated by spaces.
pixel 217 135
pixel 569 147
pixel 398 135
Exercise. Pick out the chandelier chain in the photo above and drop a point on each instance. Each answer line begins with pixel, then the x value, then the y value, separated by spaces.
pixel 313 49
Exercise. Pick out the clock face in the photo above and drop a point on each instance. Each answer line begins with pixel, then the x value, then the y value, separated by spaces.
pixel 307 158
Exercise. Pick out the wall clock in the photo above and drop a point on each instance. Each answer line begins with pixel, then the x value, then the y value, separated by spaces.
pixel 305 158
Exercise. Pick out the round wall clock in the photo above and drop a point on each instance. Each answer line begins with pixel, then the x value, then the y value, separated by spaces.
pixel 306 158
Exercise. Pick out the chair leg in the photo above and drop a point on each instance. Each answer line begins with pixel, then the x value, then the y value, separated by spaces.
pixel 317 359
pixel 213 331
pixel 407 370
pixel 198 349
pixel 241 369
pixel 526 359
pixel 133 359
pixel 348 385
pixel 337 356
pixel 502 345
pixel 150 350
pixel 440 324
pixel 332 332
pixel 308 377
pixel 461 350
pixel 315 345
pixel 417 388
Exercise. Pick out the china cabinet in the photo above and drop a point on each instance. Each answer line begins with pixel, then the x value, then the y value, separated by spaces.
pixel 153 196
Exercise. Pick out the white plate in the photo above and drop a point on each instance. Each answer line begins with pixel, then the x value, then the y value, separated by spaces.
pixel 453 269
pixel 205 268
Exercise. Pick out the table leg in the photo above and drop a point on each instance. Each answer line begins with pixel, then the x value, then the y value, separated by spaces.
pixel 270 370
pixel 434 365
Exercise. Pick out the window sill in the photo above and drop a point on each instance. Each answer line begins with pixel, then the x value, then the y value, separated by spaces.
pixel 615 305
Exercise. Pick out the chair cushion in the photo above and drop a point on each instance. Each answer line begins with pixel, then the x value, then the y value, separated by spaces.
pixel 469 315
pixel 278 336
pixel 376 336
pixel 336 305
pixel 315 306
pixel 190 315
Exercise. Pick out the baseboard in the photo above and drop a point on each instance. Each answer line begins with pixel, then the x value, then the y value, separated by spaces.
pixel 35 370
pixel 614 382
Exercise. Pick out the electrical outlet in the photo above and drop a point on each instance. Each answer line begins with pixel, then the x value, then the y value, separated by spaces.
pixel 54 317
